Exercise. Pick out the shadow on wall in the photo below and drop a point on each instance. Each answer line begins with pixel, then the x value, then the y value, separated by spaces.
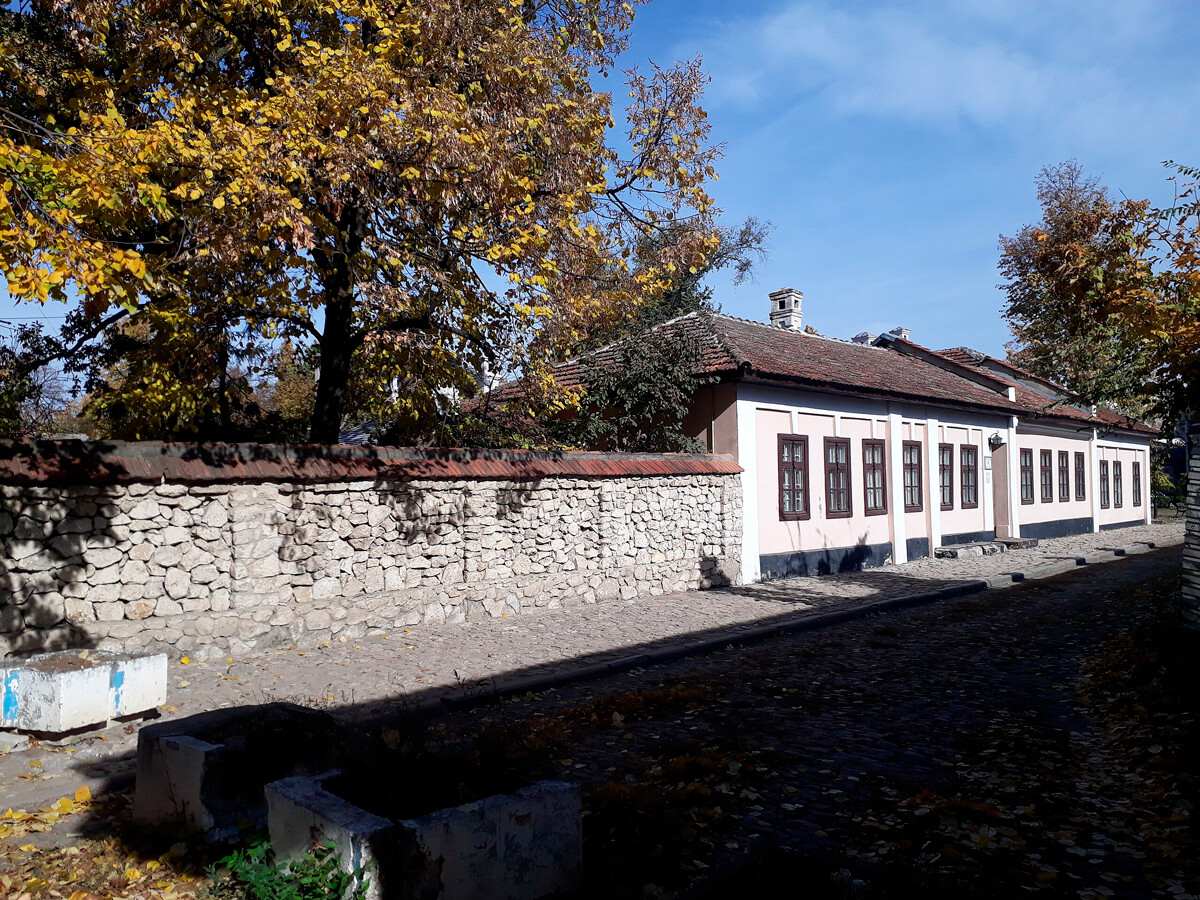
pixel 826 561
pixel 321 542
pixel 59 544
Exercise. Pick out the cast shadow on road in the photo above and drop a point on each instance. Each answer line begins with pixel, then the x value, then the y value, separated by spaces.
pixel 368 740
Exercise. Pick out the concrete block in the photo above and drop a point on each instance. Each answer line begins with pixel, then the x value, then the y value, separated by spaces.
pixel 13 743
pixel 518 846
pixel 139 683
pixel 171 773
pixel 65 691
pixel 300 810
pixel 205 773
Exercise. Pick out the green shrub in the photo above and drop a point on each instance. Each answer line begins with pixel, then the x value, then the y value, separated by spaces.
pixel 253 874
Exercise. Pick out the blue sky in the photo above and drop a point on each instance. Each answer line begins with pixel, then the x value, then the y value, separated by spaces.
pixel 891 143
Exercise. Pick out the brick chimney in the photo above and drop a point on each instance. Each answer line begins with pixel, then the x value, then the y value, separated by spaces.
pixel 785 308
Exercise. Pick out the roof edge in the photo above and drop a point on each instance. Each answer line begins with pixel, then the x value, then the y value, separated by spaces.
pixel 934 358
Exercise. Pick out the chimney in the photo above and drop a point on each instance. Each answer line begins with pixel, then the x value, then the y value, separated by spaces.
pixel 785 308
pixel 901 332
pixel 864 337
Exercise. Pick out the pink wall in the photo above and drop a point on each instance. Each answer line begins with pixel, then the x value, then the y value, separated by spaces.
pixel 959 520
pixel 1127 512
pixel 817 532
pixel 1055 510
pixel 916 524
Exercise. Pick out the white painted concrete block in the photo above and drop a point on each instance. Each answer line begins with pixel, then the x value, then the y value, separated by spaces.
pixel 170 782
pixel 139 683
pixel 519 846
pixel 55 692
pixel 65 691
pixel 299 809
pixel 205 773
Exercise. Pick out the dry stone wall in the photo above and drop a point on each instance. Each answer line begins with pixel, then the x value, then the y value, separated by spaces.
pixel 210 569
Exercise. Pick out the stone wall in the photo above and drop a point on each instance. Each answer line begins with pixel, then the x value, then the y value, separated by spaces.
pixel 216 564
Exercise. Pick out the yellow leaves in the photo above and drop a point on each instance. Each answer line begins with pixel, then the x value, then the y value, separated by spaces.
pixel 19 822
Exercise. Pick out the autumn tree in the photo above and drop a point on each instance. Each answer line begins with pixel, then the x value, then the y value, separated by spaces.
pixel 736 249
pixel 635 394
pixel 1064 275
pixel 1104 296
pixel 359 173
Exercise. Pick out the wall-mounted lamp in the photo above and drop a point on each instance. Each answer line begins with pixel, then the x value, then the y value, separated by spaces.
pixel 995 441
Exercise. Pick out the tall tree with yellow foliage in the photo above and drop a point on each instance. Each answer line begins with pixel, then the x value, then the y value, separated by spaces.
pixel 429 186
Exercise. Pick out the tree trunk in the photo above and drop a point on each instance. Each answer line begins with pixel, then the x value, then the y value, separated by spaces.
pixel 337 340
pixel 223 388
pixel 336 353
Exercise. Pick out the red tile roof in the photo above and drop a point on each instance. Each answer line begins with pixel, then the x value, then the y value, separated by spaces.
pixel 739 348
pixel 733 347
pixel 776 353
pixel 80 462
pixel 1040 405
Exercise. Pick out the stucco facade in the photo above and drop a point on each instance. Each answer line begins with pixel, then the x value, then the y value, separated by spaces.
pixel 775 546
pixel 856 453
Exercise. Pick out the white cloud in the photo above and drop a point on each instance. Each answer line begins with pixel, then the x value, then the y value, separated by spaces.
pixel 1077 68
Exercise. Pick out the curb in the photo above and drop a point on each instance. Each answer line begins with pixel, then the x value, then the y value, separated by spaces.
pixel 750 633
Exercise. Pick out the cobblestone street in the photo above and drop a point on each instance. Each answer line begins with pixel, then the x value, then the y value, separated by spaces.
pixel 947 736
pixel 842 744
pixel 471 655
pixel 463 661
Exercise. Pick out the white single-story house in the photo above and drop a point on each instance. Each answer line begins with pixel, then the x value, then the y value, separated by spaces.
pixel 859 452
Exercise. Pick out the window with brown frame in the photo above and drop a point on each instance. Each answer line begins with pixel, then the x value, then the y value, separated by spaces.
pixel 793 477
pixel 946 474
pixel 837 478
pixel 913 495
pixel 1026 476
pixel 1047 473
pixel 1118 486
pixel 969 478
pixel 874 478
pixel 1064 476
pixel 1137 484
pixel 1104 484
pixel 1080 476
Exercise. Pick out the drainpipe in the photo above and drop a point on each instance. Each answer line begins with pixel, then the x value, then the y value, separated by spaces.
pixel 895 468
pixel 1013 457
pixel 933 483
